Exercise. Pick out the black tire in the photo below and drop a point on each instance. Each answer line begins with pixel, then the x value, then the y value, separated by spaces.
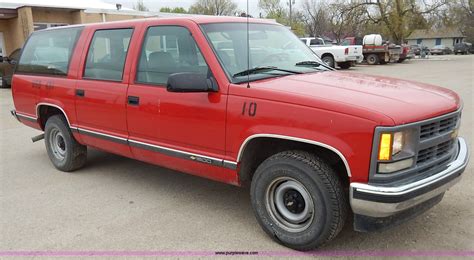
pixel 329 60
pixel 64 151
pixel 344 65
pixel 372 59
pixel 324 193
pixel 4 84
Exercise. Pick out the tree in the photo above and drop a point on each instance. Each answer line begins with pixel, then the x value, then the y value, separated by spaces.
pixel 344 22
pixel 140 6
pixel 176 10
pixel 315 17
pixel 213 7
pixel 395 14
pixel 457 14
pixel 272 8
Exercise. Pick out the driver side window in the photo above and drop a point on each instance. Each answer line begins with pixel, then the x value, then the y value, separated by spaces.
pixel 167 50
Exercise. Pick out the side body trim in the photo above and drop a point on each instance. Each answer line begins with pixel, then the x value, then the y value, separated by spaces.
pixel 26 117
pixel 159 149
pixel 297 139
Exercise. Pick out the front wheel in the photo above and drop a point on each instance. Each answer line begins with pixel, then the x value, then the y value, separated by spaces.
pixel 64 151
pixel 298 200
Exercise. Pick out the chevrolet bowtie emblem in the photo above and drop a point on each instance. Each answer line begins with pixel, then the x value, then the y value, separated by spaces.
pixel 454 134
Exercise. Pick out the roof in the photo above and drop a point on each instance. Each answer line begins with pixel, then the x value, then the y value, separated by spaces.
pixel 431 34
pixel 201 19
pixel 68 4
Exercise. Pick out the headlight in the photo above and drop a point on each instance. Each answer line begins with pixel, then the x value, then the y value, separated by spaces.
pixel 396 151
pixel 392 144
pixel 397 145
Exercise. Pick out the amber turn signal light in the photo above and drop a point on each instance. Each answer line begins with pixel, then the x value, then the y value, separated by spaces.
pixel 385 148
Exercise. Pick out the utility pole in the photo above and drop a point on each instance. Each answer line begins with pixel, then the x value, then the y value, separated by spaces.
pixel 291 3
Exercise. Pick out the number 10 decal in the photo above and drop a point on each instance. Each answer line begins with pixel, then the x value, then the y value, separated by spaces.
pixel 251 110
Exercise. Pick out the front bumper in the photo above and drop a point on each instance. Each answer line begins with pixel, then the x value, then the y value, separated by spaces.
pixel 381 201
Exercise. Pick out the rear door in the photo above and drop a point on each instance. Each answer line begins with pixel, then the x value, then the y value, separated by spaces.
pixel 101 93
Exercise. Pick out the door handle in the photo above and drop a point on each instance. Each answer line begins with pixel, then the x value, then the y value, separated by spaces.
pixel 134 101
pixel 80 92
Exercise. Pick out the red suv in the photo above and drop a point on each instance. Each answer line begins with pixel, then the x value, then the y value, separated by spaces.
pixel 244 104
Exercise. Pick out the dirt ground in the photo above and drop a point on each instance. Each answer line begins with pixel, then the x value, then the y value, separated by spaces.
pixel 116 203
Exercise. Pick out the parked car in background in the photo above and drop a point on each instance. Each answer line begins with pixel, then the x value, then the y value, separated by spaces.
pixel 440 50
pixel 463 48
pixel 332 55
pixel 7 65
pixel 417 49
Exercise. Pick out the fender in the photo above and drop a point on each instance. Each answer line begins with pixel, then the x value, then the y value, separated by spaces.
pixel 297 139
pixel 52 105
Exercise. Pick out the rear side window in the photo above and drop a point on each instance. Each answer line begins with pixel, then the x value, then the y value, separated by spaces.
pixel 107 53
pixel 49 52
pixel 167 50
pixel 316 42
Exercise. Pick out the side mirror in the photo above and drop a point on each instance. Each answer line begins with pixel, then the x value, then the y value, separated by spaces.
pixel 12 61
pixel 191 82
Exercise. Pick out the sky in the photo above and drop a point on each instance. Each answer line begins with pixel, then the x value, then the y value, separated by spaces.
pixel 155 5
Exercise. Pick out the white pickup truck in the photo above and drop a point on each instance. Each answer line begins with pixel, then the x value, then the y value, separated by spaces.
pixel 332 55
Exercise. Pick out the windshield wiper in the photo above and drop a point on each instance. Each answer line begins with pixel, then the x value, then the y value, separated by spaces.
pixel 263 69
pixel 309 63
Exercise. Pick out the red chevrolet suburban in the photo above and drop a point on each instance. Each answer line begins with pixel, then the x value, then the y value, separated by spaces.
pixel 245 103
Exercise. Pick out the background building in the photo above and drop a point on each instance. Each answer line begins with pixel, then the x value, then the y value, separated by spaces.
pixel 447 37
pixel 18 18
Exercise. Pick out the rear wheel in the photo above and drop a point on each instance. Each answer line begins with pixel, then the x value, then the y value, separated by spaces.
pixel 345 65
pixel 372 59
pixel 298 200
pixel 329 60
pixel 64 151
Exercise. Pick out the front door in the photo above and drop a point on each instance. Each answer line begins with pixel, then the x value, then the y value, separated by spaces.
pixel 188 126
pixel 101 94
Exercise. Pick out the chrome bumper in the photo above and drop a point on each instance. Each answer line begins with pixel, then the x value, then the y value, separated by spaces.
pixel 380 201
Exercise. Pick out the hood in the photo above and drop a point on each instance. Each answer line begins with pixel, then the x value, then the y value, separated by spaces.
pixel 387 101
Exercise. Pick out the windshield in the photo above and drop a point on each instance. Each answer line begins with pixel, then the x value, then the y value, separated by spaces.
pixel 271 46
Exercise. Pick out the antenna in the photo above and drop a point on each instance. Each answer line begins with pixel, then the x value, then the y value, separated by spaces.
pixel 248 46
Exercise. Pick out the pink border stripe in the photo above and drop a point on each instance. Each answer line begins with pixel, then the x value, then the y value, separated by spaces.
pixel 368 253
pixel 328 253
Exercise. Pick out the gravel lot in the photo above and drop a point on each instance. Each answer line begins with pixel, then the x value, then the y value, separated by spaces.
pixel 116 203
